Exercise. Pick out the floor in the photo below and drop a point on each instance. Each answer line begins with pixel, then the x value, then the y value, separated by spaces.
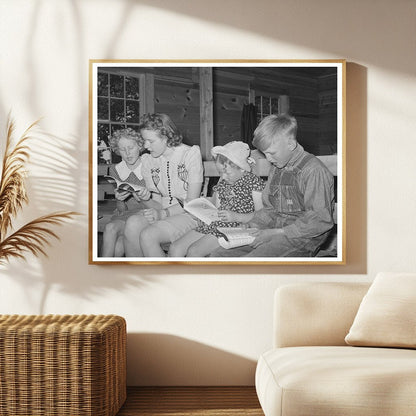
pixel 187 401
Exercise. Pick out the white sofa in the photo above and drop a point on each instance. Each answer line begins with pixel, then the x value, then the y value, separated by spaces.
pixel 311 370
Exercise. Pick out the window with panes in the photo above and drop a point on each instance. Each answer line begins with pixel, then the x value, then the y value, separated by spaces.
pixel 118 105
pixel 266 105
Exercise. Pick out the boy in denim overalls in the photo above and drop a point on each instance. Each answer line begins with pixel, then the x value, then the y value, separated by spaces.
pixel 298 198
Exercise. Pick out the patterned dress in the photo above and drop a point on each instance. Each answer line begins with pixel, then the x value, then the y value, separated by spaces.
pixel 236 197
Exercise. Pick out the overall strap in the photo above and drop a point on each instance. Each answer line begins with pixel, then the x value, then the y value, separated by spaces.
pixel 289 175
pixel 299 166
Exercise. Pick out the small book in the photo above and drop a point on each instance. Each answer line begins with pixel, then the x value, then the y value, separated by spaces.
pixel 203 209
pixel 235 237
pixel 121 186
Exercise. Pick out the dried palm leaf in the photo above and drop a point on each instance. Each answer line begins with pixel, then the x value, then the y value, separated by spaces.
pixel 32 237
pixel 12 184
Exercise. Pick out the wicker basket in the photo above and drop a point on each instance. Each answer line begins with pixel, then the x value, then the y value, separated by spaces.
pixel 71 365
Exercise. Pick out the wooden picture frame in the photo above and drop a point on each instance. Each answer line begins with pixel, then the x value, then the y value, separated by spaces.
pixel 206 99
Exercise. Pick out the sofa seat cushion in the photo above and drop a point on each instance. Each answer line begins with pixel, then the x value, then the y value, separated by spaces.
pixel 342 380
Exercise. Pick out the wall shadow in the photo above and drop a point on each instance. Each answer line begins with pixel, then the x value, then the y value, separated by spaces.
pixel 53 188
pixel 334 27
pixel 168 360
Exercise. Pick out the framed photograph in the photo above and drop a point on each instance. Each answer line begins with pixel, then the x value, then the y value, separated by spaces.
pixel 217 162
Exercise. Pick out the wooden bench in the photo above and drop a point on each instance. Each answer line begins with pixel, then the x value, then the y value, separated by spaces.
pixel 106 201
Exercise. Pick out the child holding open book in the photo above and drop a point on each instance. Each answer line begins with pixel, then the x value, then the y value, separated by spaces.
pixel 238 193
pixel 134 197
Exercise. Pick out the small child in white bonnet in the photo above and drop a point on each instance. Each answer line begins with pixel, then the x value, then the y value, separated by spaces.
pixel 237 194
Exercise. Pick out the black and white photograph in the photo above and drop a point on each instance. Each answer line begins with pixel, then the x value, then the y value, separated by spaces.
pixel 225 162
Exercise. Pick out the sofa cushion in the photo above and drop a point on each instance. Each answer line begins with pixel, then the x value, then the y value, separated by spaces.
pixel 387 314
pixel 304 381
pixel 315 313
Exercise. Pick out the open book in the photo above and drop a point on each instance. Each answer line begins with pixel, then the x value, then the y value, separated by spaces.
pixel 235 237
pixel 121 186
pixel 203 209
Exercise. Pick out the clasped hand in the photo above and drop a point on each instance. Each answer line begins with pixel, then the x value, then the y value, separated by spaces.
pixel 142 194
pixel 121 196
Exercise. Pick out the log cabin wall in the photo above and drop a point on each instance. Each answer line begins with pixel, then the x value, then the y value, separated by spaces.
pixel 170 90
pixel 177 94
pixel 327 93
pixel 231 92
pixel 311 94
pixel 301 90
pixel 312 100
pixel 299 86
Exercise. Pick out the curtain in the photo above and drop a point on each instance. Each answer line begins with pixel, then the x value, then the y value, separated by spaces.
pixel 248 123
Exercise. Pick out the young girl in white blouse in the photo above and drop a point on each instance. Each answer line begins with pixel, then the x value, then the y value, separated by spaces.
pixel 129 145
pixel 174 174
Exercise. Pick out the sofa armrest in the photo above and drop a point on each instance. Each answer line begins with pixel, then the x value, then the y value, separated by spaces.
pixel 308 314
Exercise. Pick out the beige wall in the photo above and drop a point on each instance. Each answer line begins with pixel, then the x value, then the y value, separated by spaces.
pixel 204 325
